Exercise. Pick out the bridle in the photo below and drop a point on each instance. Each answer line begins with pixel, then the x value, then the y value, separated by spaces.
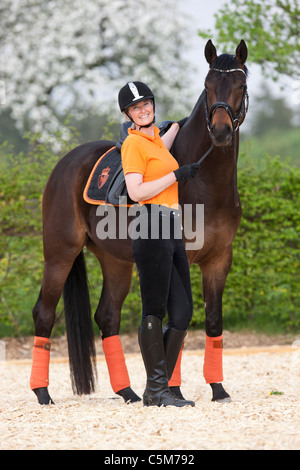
pixel 235 119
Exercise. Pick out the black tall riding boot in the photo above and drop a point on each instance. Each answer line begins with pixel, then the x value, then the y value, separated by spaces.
pixel 173 340
pixel 157 392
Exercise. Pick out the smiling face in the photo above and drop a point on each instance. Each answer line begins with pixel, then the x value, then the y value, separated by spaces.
pixel 142 113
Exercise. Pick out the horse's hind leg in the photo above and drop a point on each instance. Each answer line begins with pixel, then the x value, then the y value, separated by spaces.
pixel 54 278
pixel 116 284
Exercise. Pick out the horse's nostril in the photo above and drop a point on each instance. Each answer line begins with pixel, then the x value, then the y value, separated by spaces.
pixel 221 134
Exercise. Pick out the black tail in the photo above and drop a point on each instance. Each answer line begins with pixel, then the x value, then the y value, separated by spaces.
pixel 80 334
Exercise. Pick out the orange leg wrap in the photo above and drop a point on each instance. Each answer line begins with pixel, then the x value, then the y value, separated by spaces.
pixel 115 361
pixel 213 359
pixel 40 363
pixel 175 380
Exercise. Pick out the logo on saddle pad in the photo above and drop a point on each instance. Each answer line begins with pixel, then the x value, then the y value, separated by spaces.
pixel 103 177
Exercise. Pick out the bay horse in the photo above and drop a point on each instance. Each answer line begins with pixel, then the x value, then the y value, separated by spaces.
pixel 70 224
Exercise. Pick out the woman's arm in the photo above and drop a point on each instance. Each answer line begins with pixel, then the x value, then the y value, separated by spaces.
pixel 169 136
pixel 140 191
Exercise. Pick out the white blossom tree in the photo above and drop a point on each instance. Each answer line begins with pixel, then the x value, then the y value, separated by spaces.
pixel 71 56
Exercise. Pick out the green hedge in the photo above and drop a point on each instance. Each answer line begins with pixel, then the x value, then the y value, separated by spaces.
pixel 262 289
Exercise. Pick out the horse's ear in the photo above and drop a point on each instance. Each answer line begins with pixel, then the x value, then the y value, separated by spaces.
pixel 210 52
pixel 241 52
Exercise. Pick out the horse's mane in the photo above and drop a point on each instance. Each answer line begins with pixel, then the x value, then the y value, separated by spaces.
pixel 227 62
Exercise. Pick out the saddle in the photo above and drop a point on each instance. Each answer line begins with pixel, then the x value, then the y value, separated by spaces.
pixel 106 183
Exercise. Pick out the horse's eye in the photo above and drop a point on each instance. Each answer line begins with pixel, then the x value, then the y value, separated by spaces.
pixel 242 87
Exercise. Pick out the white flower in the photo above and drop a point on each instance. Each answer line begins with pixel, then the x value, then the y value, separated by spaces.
pixel 73 56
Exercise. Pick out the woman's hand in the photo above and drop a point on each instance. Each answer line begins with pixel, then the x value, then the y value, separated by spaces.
pixel 187 172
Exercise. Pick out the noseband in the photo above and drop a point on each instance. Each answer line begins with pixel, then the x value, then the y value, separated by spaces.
pixel 235 120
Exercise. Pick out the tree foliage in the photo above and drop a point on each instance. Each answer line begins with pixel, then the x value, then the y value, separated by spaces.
pixel 270 28
pixel 72 57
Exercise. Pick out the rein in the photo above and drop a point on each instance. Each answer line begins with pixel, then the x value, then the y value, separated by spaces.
pixel 205 155
pixel 235 121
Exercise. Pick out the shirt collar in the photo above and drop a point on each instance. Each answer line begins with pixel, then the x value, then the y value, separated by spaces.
pixel 149 137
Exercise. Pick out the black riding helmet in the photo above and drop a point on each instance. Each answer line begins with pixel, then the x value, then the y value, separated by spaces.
pixel 132 93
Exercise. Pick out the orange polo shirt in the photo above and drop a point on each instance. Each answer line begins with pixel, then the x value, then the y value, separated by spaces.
pixel 149 156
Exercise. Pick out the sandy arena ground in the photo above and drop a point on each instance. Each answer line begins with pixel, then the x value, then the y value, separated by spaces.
pixel 255 420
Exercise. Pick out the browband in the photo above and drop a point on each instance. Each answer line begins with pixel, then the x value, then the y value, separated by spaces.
pixel 230 70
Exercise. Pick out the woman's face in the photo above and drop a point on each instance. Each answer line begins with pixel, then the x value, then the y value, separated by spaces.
pixel 142 113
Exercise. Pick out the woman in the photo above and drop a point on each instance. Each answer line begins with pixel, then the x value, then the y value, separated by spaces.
pixel 152 176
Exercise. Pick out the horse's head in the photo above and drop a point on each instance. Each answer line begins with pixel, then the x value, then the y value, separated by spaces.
pixel 226 98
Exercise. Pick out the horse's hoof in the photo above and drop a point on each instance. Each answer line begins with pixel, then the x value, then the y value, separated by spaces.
pixel 223 400
pixel 128 395
pixel 177 392
pixel 43 396
pixel 219 393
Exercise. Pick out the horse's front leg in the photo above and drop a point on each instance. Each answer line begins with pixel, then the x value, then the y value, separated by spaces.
pixel 214 278
pixel 116 284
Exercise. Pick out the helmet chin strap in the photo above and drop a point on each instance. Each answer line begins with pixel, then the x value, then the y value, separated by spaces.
pixel 140 127
pixel 147 125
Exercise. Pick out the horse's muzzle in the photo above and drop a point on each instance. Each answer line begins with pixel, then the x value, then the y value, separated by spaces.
pixel 221 135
